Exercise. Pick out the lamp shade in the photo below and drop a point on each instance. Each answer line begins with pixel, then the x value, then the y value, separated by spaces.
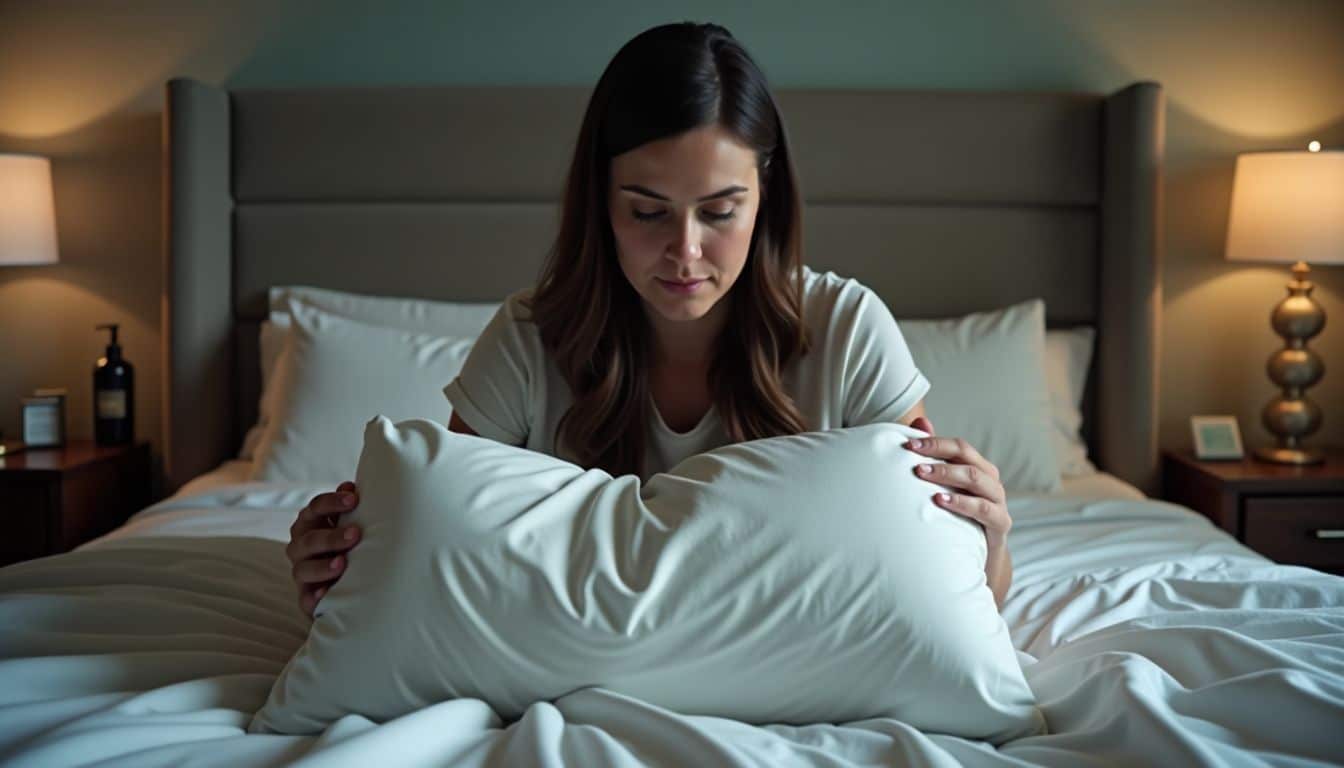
pixel 27 211
pixel 1288 206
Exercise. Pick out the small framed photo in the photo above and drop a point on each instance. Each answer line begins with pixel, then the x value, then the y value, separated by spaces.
pixel 1216 437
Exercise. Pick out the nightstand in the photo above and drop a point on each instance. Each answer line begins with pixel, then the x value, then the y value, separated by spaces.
pixel 1286 513
pixel 54 499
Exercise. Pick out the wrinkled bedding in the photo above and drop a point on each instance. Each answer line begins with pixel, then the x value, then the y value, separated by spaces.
pixel 1148 636
pixel 797 579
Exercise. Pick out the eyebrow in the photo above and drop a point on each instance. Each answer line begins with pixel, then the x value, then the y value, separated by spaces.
pixel 645 191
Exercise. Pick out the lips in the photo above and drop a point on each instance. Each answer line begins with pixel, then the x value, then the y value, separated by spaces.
pixel 682 288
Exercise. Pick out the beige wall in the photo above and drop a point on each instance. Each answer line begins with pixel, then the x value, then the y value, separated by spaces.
pixel 82 82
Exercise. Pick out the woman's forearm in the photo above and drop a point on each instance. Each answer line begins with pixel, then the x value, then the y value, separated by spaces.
pixel 999 572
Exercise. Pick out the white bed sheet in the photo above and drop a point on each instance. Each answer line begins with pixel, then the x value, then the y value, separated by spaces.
pixel 1149 636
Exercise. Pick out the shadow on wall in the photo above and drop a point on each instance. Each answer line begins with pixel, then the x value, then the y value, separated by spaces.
pixel 82 64
pixel 1264 71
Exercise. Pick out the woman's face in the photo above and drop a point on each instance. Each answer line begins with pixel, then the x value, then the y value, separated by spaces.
pixel 682 210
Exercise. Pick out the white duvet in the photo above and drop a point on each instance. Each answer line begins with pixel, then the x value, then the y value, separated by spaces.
pixel 1148 636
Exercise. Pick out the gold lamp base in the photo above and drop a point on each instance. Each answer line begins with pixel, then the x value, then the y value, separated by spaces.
pixel 1291 416
pixel 1290 455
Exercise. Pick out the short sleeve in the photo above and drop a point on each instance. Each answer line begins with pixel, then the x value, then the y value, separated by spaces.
pixel 492 391
pixel 881 382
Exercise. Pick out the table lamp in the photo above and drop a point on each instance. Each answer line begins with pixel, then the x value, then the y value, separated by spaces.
pixel 27 211
pixel 1289 207
pixel 27 222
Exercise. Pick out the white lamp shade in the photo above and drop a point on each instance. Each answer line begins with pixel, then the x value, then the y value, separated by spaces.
pixel 27 211
pixel 1288 206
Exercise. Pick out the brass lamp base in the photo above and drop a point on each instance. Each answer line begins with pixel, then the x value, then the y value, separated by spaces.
pixel 1291 416
pixel 1290 455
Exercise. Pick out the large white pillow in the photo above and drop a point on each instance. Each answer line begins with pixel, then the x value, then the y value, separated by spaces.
pixel 988 385
pixel 1068 353
pixel 439 318
pixel 332 374
pixel 807 578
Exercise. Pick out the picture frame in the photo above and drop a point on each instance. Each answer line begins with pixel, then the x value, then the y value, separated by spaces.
pixel 1216 437
pixel 44 421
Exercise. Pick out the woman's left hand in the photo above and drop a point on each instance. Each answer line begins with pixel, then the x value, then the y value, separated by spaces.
pixel 983 500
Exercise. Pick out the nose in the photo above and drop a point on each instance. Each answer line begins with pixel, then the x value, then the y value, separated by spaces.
pixel 685 246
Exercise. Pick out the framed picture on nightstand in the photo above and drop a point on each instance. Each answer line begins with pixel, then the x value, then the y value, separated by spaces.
pixel 1216 437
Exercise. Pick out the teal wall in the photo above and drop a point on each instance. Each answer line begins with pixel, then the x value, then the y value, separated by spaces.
pixel 954 44
pixel 82 82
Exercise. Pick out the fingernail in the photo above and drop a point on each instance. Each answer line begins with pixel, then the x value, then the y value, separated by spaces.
pixel 922 469
pixel 351 533
pixel 347 499
pixel 915 444
pixel 336 564
pixel 944 497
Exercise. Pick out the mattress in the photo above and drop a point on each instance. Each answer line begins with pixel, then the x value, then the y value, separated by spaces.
pixel 1148 635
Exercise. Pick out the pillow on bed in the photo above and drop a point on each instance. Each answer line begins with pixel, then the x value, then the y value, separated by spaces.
pixel 1068 353
pixel 332 374
pixel 439 318
pixel 798 579
pixel 987 372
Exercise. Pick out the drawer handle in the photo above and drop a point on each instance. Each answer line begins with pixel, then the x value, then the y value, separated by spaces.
pixel 1330 533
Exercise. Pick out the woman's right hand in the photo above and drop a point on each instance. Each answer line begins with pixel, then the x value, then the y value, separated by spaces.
pixel 317 543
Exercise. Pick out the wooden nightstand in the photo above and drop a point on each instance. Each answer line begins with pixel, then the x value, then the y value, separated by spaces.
pixel 1288 514
pixel 53 499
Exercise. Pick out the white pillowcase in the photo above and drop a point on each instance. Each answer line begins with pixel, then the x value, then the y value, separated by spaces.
pixel 332 374
pixel 1068 353
pixel 988 385
pixel 799 579
pixel 440 318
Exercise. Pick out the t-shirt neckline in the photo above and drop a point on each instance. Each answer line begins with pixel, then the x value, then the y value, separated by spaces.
pixel 694 431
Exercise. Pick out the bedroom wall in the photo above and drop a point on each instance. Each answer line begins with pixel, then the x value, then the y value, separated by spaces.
pixel 82 82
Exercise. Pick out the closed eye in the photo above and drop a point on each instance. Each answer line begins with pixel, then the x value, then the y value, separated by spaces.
pixel 708 215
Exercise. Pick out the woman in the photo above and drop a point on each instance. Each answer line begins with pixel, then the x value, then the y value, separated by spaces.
pixel 673 314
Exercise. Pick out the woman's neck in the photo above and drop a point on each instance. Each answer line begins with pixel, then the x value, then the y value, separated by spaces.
pixel 690 344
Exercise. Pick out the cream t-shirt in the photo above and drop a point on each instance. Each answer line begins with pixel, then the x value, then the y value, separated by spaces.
pixel 858 371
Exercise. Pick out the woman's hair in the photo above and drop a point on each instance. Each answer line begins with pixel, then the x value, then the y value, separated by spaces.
pixel 668 80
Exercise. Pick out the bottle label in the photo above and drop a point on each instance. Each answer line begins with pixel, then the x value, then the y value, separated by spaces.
pixel 111 403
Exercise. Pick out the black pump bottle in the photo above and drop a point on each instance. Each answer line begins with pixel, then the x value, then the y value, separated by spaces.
pixel 113 395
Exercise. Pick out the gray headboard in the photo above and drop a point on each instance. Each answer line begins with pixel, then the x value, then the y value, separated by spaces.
pixel 942 202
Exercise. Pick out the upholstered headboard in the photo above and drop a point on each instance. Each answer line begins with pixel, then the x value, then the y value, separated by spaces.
pixel 943 202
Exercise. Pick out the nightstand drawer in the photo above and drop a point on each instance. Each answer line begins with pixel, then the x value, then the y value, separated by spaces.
pixel 1306 530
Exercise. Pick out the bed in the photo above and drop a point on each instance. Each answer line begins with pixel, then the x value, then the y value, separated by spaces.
pixel 1148 635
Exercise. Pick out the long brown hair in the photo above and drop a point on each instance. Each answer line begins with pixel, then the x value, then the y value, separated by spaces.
pixel 665 81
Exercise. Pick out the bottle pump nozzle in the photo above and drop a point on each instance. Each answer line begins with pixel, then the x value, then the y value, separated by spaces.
pixel 113 349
